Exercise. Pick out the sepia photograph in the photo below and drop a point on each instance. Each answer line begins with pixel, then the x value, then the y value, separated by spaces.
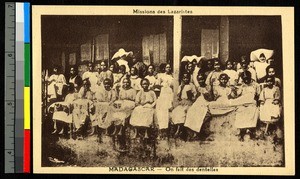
pixel 162 90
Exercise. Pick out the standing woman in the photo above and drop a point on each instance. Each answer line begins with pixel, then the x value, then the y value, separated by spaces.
pixel 75 79
pixel 135 79
pixel 56 84
pixel 165 100
pixel 212 78
pixel 105 73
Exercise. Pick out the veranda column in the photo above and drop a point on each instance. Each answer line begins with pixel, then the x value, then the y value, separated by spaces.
pixel 224 39
pixel 177 32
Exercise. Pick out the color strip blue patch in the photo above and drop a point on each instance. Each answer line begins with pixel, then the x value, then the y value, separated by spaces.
pixel 27 22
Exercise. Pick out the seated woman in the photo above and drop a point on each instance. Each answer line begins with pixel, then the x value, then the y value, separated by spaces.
pixel 247 111
pixel 135 79
pixel 270 108
pixel 186 96
pixel 142 115
pixel 221 94
pixel 103 99
pixel 213 76
pixel 197 113
pixel 81 112
pixel 62 112
pixel 122 108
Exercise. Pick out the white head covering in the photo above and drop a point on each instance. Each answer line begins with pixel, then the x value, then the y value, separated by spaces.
pixel 254 56
pixel 120 53
pixel 191 58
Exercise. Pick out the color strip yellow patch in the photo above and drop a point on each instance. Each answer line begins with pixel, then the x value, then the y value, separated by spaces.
pixel 26 107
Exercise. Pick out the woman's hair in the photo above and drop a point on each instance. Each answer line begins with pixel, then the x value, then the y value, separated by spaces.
pixel 270 77
pixel 162 67
pixel 201 74
pixel 108 81
pixel 135 70
pixel 105 62
pixel 115 68
pixel 144 79
pixel 186 74
pixel 126 78
pixel 268 68
pixel 224 75
pixel 149 67
pixel 246 75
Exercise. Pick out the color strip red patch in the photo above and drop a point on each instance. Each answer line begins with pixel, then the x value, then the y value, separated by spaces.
pixel 26 166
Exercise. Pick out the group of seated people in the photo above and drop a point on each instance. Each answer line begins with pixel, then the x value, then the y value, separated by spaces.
pixel 113 98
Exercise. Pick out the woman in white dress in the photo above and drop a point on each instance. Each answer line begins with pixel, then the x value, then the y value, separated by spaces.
pixel 164 102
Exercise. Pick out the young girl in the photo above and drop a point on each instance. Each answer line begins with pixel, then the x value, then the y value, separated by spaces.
pixel 197 112
pixel 142 115
pixel 270 103
pixel 151 76
pixel 233 75
pixel 247 111
pixel 186 95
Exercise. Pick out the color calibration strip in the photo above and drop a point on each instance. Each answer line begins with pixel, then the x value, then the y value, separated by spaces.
pixel 27 88
pixel 19 113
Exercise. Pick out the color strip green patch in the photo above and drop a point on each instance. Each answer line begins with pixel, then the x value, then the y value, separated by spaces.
pixel 27 65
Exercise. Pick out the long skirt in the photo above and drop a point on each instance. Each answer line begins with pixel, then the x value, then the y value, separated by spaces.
pixel 269 112
pixel 196 114
pixel 100 116
pixel 246 116
pixel 122 111
pixel 142 116
pixel 179 114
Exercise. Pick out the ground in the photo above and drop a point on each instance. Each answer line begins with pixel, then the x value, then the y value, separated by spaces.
pixel 220 149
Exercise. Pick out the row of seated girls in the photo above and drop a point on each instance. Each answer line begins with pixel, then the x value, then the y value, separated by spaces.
pixel 110 99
